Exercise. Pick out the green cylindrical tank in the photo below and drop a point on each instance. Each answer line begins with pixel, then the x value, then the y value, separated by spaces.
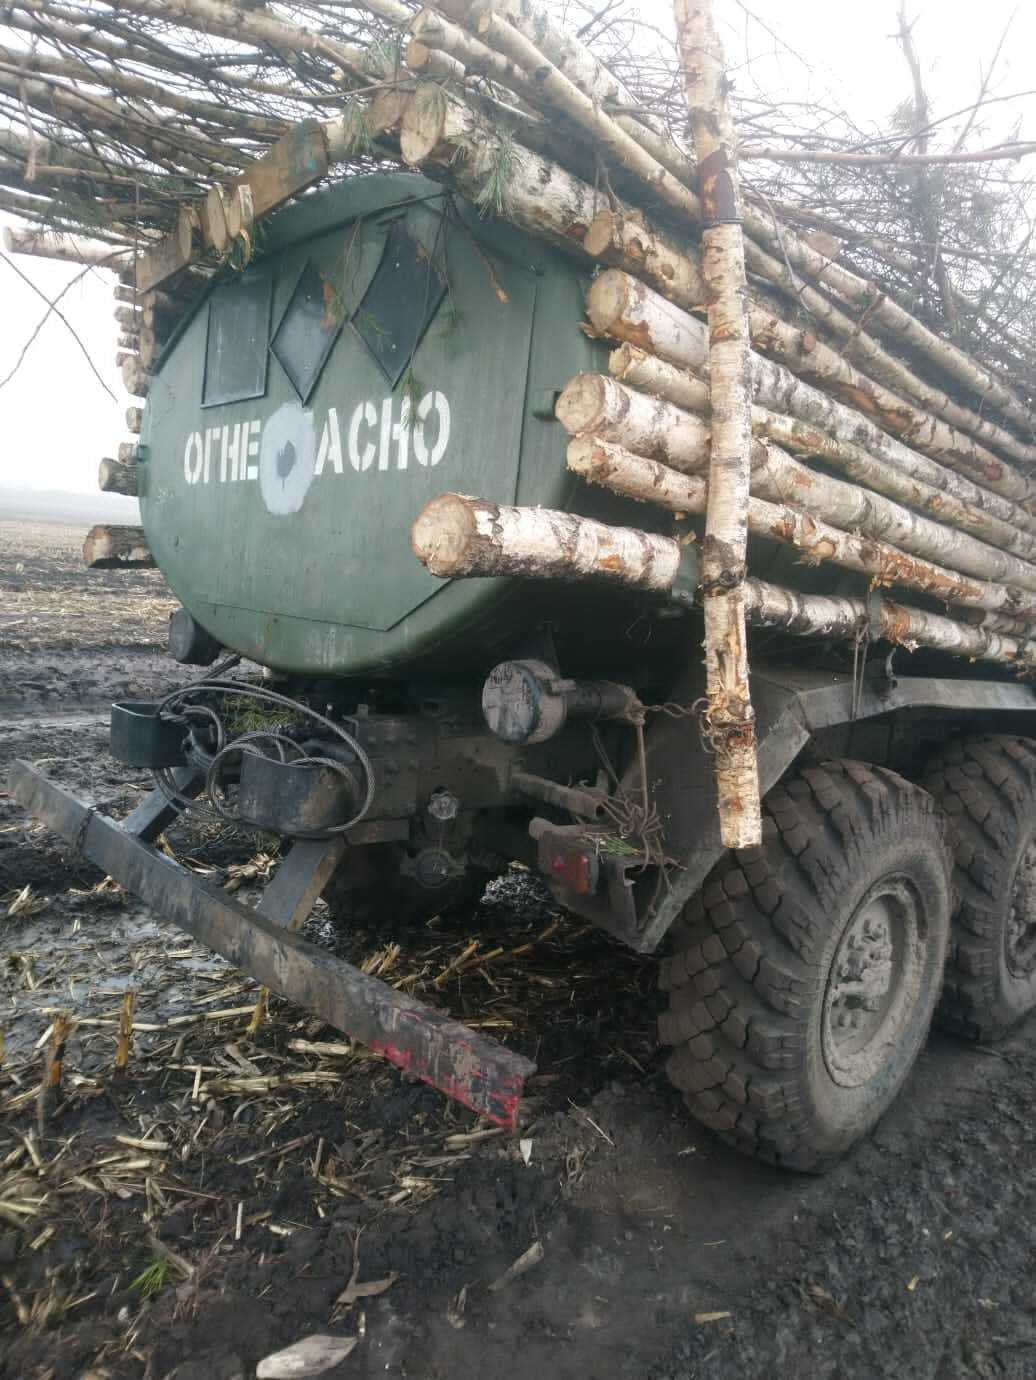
pixel 385 344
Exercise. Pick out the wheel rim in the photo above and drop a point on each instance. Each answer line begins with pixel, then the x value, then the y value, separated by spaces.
pixel 873 983
pixel 1020 930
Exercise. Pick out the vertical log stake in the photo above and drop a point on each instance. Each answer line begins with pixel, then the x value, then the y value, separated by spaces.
pixel 728 719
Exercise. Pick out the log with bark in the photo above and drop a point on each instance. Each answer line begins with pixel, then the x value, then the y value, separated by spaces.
pixel 816 541
pixel 728 716
pixel 459 536
pixel 626 308
pixel 810 424
pixel 847 618
pixel 474 538
pixel 603 408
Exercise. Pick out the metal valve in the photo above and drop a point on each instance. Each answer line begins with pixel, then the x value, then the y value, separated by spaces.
pixel 528 702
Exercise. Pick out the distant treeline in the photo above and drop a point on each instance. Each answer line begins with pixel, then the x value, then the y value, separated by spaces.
pixel 55 505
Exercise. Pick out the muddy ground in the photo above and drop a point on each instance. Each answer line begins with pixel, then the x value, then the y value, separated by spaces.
pixel 214 1202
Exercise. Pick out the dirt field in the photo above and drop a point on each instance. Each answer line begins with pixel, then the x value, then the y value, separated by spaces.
pixel 57 618
pixel 231 1193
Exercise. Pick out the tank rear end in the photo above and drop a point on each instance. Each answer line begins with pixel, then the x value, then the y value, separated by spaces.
pixel 386 345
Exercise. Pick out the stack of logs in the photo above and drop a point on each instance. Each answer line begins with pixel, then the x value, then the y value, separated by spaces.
pixel 146 321
pixel 876 445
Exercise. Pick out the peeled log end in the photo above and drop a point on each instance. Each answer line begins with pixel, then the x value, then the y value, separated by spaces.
pixel 136 380
pixel 585 458
pixel 386 110
pixel 116 477
pixel 422 130
pixel 602 235
pixel 442 534
pixel 108 548
pixel 607 300
pixel 417 55
pixel 581 403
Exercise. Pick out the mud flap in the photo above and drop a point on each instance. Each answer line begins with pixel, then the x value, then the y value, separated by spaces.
pixel 476 1072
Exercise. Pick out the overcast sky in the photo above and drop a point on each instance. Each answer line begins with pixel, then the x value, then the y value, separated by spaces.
pixel 56 421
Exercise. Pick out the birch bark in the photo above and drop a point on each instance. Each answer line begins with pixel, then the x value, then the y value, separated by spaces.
pixel 622 307
pixel 455 535
pixel 817 541
pixel 729 717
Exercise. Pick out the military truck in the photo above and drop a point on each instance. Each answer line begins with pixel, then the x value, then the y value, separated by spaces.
pixel 410 735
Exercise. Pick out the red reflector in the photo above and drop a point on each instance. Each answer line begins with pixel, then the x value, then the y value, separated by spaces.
pixel 571 869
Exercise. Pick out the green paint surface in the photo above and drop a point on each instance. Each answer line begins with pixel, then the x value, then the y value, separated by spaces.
pixel 303 561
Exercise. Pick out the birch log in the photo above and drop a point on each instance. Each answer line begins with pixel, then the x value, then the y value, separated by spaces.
pixel 136 380
pixel 649 374
pixel 859 465
pixel 859 345
pixel 555 42
pixel 902 474
pixel 611 300
pixel 627 242
pixel 584 407
pixel 822 615
pixel 610 411
pixel 637 477
pixel 676 273
pixel 73 249
pixel 488 539
pixel 997 622
pixel 592 404
pixel 542 197
pixel 729 717
pixel 476 124
pixel 827 367
pixel 586 74
pixel 626 309
pixel 477 59
pixel 432 62
pixel 455 535
pixel 904 328
pixel 566 52
pixel 559 93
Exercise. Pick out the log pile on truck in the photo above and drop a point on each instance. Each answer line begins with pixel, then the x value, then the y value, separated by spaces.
pixel 758 448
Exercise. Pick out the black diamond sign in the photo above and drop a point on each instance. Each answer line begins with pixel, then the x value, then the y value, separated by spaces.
pixel 402 298
pixel 308 330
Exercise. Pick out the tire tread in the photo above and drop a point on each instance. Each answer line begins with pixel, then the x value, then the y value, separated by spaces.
pixel 741 985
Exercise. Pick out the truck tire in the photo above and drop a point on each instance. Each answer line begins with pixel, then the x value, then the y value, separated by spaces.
pixel 987 789
pixel 809 967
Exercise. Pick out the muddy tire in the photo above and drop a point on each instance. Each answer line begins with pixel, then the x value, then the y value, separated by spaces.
pixel 987 789
pixel 808 968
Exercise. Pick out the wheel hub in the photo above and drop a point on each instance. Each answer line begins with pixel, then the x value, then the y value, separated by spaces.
pixel 868 997
pixel 1020 931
